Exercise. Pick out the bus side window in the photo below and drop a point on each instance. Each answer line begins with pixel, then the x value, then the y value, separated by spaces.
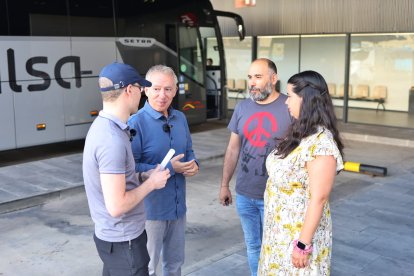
pixel 3 19
pixel 37 18
pixel 191 63
pixel 96 14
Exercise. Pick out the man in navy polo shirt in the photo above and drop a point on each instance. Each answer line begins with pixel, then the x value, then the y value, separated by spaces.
pixel 115 196
pixel 159 128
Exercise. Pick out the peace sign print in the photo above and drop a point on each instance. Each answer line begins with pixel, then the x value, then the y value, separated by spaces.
pixel 258 134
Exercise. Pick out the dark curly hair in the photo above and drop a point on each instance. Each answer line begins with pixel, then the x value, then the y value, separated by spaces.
pixel 316 110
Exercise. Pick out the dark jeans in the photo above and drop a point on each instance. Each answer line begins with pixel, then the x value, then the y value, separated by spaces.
pixel 124 258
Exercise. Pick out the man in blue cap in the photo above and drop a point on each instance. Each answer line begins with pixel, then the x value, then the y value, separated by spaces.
pixel 115 195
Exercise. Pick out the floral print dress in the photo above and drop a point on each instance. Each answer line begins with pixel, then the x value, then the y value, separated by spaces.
pixel 285 202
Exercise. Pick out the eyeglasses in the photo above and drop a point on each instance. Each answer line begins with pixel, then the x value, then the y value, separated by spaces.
pixel 141 88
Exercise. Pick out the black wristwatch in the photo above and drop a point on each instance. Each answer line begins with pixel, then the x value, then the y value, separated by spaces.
pixel 301 245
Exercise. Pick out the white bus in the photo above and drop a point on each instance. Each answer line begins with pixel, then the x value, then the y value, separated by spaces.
pixel 51 53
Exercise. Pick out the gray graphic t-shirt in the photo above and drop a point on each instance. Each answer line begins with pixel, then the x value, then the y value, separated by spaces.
pixel 257 126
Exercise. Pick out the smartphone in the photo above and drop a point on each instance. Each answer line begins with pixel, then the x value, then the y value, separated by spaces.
pixel 167 158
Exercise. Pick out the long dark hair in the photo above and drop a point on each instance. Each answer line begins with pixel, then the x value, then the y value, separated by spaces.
pixel 316 110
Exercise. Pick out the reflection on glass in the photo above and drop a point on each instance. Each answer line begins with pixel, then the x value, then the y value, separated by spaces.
pixel 238 59
pixel 326 55
pixel 238 56
pixel 191 63
pixel 381 75
pixel 284 52
pixel 209 38
pixel 381 79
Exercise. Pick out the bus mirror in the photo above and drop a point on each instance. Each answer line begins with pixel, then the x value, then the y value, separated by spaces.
pixel 239 21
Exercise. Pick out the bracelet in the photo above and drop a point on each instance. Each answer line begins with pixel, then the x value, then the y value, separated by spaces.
pixel 140 177
pixel 224 186
pixel 305 251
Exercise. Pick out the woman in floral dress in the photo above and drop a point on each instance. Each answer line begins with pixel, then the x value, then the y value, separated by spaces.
pixel 297 234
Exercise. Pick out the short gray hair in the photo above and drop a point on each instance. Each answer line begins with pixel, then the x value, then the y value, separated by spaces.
pixel 162 69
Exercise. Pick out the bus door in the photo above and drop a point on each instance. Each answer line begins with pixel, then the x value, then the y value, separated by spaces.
pixel 215 64
pixel 213 91
pixel 191 77
pixel 213 76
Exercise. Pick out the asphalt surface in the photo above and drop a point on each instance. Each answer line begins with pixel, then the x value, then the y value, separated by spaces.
pixel 45 227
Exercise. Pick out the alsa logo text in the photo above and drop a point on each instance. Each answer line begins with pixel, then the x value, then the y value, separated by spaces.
pixel 42 75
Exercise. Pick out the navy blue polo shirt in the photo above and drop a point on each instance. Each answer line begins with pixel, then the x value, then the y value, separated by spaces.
pixel 151 143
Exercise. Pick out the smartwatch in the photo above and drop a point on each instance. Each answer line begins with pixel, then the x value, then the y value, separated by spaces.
pixel 301 245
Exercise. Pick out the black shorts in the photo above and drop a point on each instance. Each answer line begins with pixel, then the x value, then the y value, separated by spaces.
pixel 124 258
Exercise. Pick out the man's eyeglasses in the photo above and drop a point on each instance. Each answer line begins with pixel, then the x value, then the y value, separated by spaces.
pixel 141 88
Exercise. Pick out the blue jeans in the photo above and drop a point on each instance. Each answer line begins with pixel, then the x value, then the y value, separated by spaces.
pixel 251 218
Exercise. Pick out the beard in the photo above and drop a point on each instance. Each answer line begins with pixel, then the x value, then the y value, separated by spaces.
pixel 260 94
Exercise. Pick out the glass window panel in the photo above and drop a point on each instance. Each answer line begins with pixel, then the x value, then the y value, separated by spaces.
pixel 284 52
pixel 191 63
pixel 212 50
pixel 238 58
pixel 381 76
pixel 91 18
pixel 38 18
pixel 134 21
pixel 150 26
pixel 154 19
pixel 4 27
pixel 326 55
pixel 210 45
pixel 213 70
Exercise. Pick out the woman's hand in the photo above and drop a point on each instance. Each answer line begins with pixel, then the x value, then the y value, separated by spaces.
pixel 299 260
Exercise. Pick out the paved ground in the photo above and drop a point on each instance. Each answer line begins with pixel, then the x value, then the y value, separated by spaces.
pixel 373 216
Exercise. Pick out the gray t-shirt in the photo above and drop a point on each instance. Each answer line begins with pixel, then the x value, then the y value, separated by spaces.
pixel 257 126
pixel 108 150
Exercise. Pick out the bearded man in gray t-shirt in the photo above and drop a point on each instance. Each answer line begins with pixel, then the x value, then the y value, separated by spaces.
pixel 254 126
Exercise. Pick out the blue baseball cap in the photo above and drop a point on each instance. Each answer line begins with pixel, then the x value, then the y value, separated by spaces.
pixel 121 76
